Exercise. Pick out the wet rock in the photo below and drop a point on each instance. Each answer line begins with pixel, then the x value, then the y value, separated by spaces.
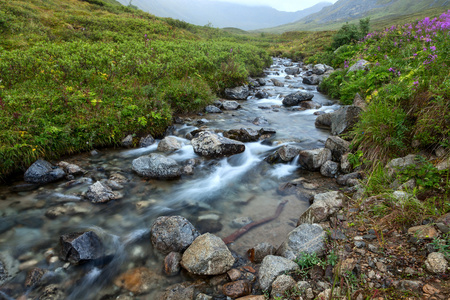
pixel 260 121
pixel 80 247
pixel 329 169
pixel 276 82
pixel 344 179
pixel 207 255
pixel 172 234
pixel 361 64
pixel 237 93
pixel 337 146
pixel 138 281
pixel 169 144
pixel 156 166
pixel 312 160
pixel 295 98
pixel 292 71
pixel 52 292
pixel 312 79
pixel 68 209
pixel 230 105
pixel 6 224
pixel 261 81
pixel 423 232
pixel 172 263
pixel 257 253
pixel 211 109
pixel 237 289
pixel 114 185
pixel 306 238
pixel 243 135
pixel 127 142
pixel 181 291
pixel 400 164
pixel 99 193
pixel 71 169
pixel 146 141
pixel 262 94
pixel 323 121
pixel 344 119
pixel 288 152
pixel 43 172
pixel 209 144
pixel 9 267
pixel 34 276
pixel 282 285
pixel 208 225
pixel 273 266
pixel 309 105
pixel 436 263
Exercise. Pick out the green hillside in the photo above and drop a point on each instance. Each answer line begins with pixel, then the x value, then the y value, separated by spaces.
pixel 75 75
pixel 382 13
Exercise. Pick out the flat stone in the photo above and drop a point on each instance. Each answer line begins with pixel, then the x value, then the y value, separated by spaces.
pixel 423 232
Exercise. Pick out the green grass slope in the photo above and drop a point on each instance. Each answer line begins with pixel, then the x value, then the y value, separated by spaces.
pixel 75 75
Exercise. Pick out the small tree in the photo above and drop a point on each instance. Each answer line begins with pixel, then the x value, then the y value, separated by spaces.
pixel 364 26
pixel 349 33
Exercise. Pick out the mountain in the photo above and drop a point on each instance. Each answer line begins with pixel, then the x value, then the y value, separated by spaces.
pixel 333 16
pixel 222 14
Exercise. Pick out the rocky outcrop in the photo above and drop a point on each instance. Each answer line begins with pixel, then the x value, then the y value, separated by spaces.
pixel 237 93
pixel 273 266
pixel 81 247
pixel 156 166
pixel 306 238
pixel 207 255
pixel 312 160
pixel 295 98
pixel 172 234
pixel 324 205
pixel 209 144
pixel 43 172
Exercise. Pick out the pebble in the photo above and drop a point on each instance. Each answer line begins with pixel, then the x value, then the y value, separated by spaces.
pixel 359 244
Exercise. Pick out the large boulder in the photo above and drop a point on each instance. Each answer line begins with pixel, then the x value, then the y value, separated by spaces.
pixel 43 172
pixel 361 64
pixel 262 94
pixel 292 70
pixel 337 146
pixel 237 93
pixel 324 205
pixel 344 119
pixel 306 238
pixel 319 69
pixel 172 234
pixel 312 160
pixel 295 98
pixel 329 169
pixel 323 121
pixel 312 80
pixel 156 166
pixel 288 152
pixel 169 144
pixel 243 135
pixel 273 266
pixel 100 193
pixel 207 255
pixel 209 144
pixel 80 247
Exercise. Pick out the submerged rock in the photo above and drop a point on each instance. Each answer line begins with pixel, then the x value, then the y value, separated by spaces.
pixel 207 255
pixel 156 166
pixel 172 234
pixel 43 172
pixel 209 144
pixel 80 247
pixel 138 280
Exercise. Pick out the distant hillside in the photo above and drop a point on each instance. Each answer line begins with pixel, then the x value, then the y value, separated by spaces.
pixel 332 17
pixel 222 14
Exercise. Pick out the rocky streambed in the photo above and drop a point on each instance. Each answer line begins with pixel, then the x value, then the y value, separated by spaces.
pixel 153 221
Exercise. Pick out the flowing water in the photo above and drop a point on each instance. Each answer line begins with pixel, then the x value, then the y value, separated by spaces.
pixel 225 191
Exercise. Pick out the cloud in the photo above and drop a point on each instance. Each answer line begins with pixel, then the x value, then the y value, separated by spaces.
pixel 283 5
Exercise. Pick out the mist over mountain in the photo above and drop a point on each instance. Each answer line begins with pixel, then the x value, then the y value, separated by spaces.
pixel 223 14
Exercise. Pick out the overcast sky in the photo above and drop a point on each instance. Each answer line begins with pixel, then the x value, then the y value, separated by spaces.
pixel 283 5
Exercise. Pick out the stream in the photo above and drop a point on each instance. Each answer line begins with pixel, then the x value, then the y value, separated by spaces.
pixel 219 197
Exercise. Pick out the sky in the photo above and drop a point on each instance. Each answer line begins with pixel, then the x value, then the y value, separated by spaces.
pixel 283 5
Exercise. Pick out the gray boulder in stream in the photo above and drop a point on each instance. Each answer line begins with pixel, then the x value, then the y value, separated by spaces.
pixel 209 144
pixel 295 98
pixel 100 193
pixel 312 160
pixel 42 172
pixel 230 105
pixel 156 166
pixel 80 247
pixel 172 234
pixel 237 93
pixel 292 71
